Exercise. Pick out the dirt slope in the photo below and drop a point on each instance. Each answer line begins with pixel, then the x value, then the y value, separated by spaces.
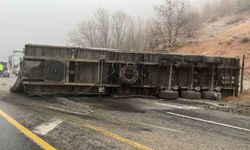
pixel 234 42
pixel 230 36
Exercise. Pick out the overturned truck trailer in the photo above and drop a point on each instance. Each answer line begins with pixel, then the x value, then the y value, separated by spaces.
pixel 56 70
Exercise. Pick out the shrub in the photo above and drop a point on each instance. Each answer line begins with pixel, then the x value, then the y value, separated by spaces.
pixel 245 40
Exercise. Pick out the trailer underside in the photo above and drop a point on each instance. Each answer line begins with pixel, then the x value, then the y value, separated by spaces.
pixel 54 70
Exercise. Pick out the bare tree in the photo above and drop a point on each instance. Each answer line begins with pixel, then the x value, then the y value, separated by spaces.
pixel 224 7
pixel 135 36
pixel 242 5
pixel 120 31
pixel 93 32
pixel 154 35
pixel 85 34
pixel 190 29
pixel 119 27
pixel 103 23
pixel 173 17
pixel 174 23
pixel 207 10
pixel 130 35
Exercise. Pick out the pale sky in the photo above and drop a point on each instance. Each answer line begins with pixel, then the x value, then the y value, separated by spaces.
pixel 49 21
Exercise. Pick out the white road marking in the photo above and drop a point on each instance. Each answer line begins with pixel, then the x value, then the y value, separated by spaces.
pixel 44 128
pixel 208 121
pixel 69 111
pixel 186 107
pixel 160 127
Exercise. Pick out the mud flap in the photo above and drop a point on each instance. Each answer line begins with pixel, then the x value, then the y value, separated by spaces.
pixel 190 94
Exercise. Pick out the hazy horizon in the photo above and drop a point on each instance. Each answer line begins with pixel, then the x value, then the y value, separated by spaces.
pixel 48 22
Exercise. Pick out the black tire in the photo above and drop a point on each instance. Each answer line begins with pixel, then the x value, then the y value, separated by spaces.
pixel 190 94
pixel 54 70
pixel 194 59
pixel 211 95
pixel 212 60
pixel 170 95
pixel 129 74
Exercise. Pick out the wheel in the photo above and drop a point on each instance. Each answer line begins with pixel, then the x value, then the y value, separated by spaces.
pixel 190 94
pixel 215 60
pixel 171 95
pixel 129 74
pixel 212 95
pixel 54 70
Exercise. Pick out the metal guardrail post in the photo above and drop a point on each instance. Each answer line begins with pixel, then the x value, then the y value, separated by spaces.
pixel 242 74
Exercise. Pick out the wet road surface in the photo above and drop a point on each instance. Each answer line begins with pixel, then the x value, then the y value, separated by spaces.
pixel 131 123
pixel 11 138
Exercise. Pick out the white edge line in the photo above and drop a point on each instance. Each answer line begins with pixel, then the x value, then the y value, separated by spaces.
pixel 178 106
pixel 208 121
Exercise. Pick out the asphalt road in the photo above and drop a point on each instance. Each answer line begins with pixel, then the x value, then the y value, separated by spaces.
pixel 11 138
pixel 131 123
